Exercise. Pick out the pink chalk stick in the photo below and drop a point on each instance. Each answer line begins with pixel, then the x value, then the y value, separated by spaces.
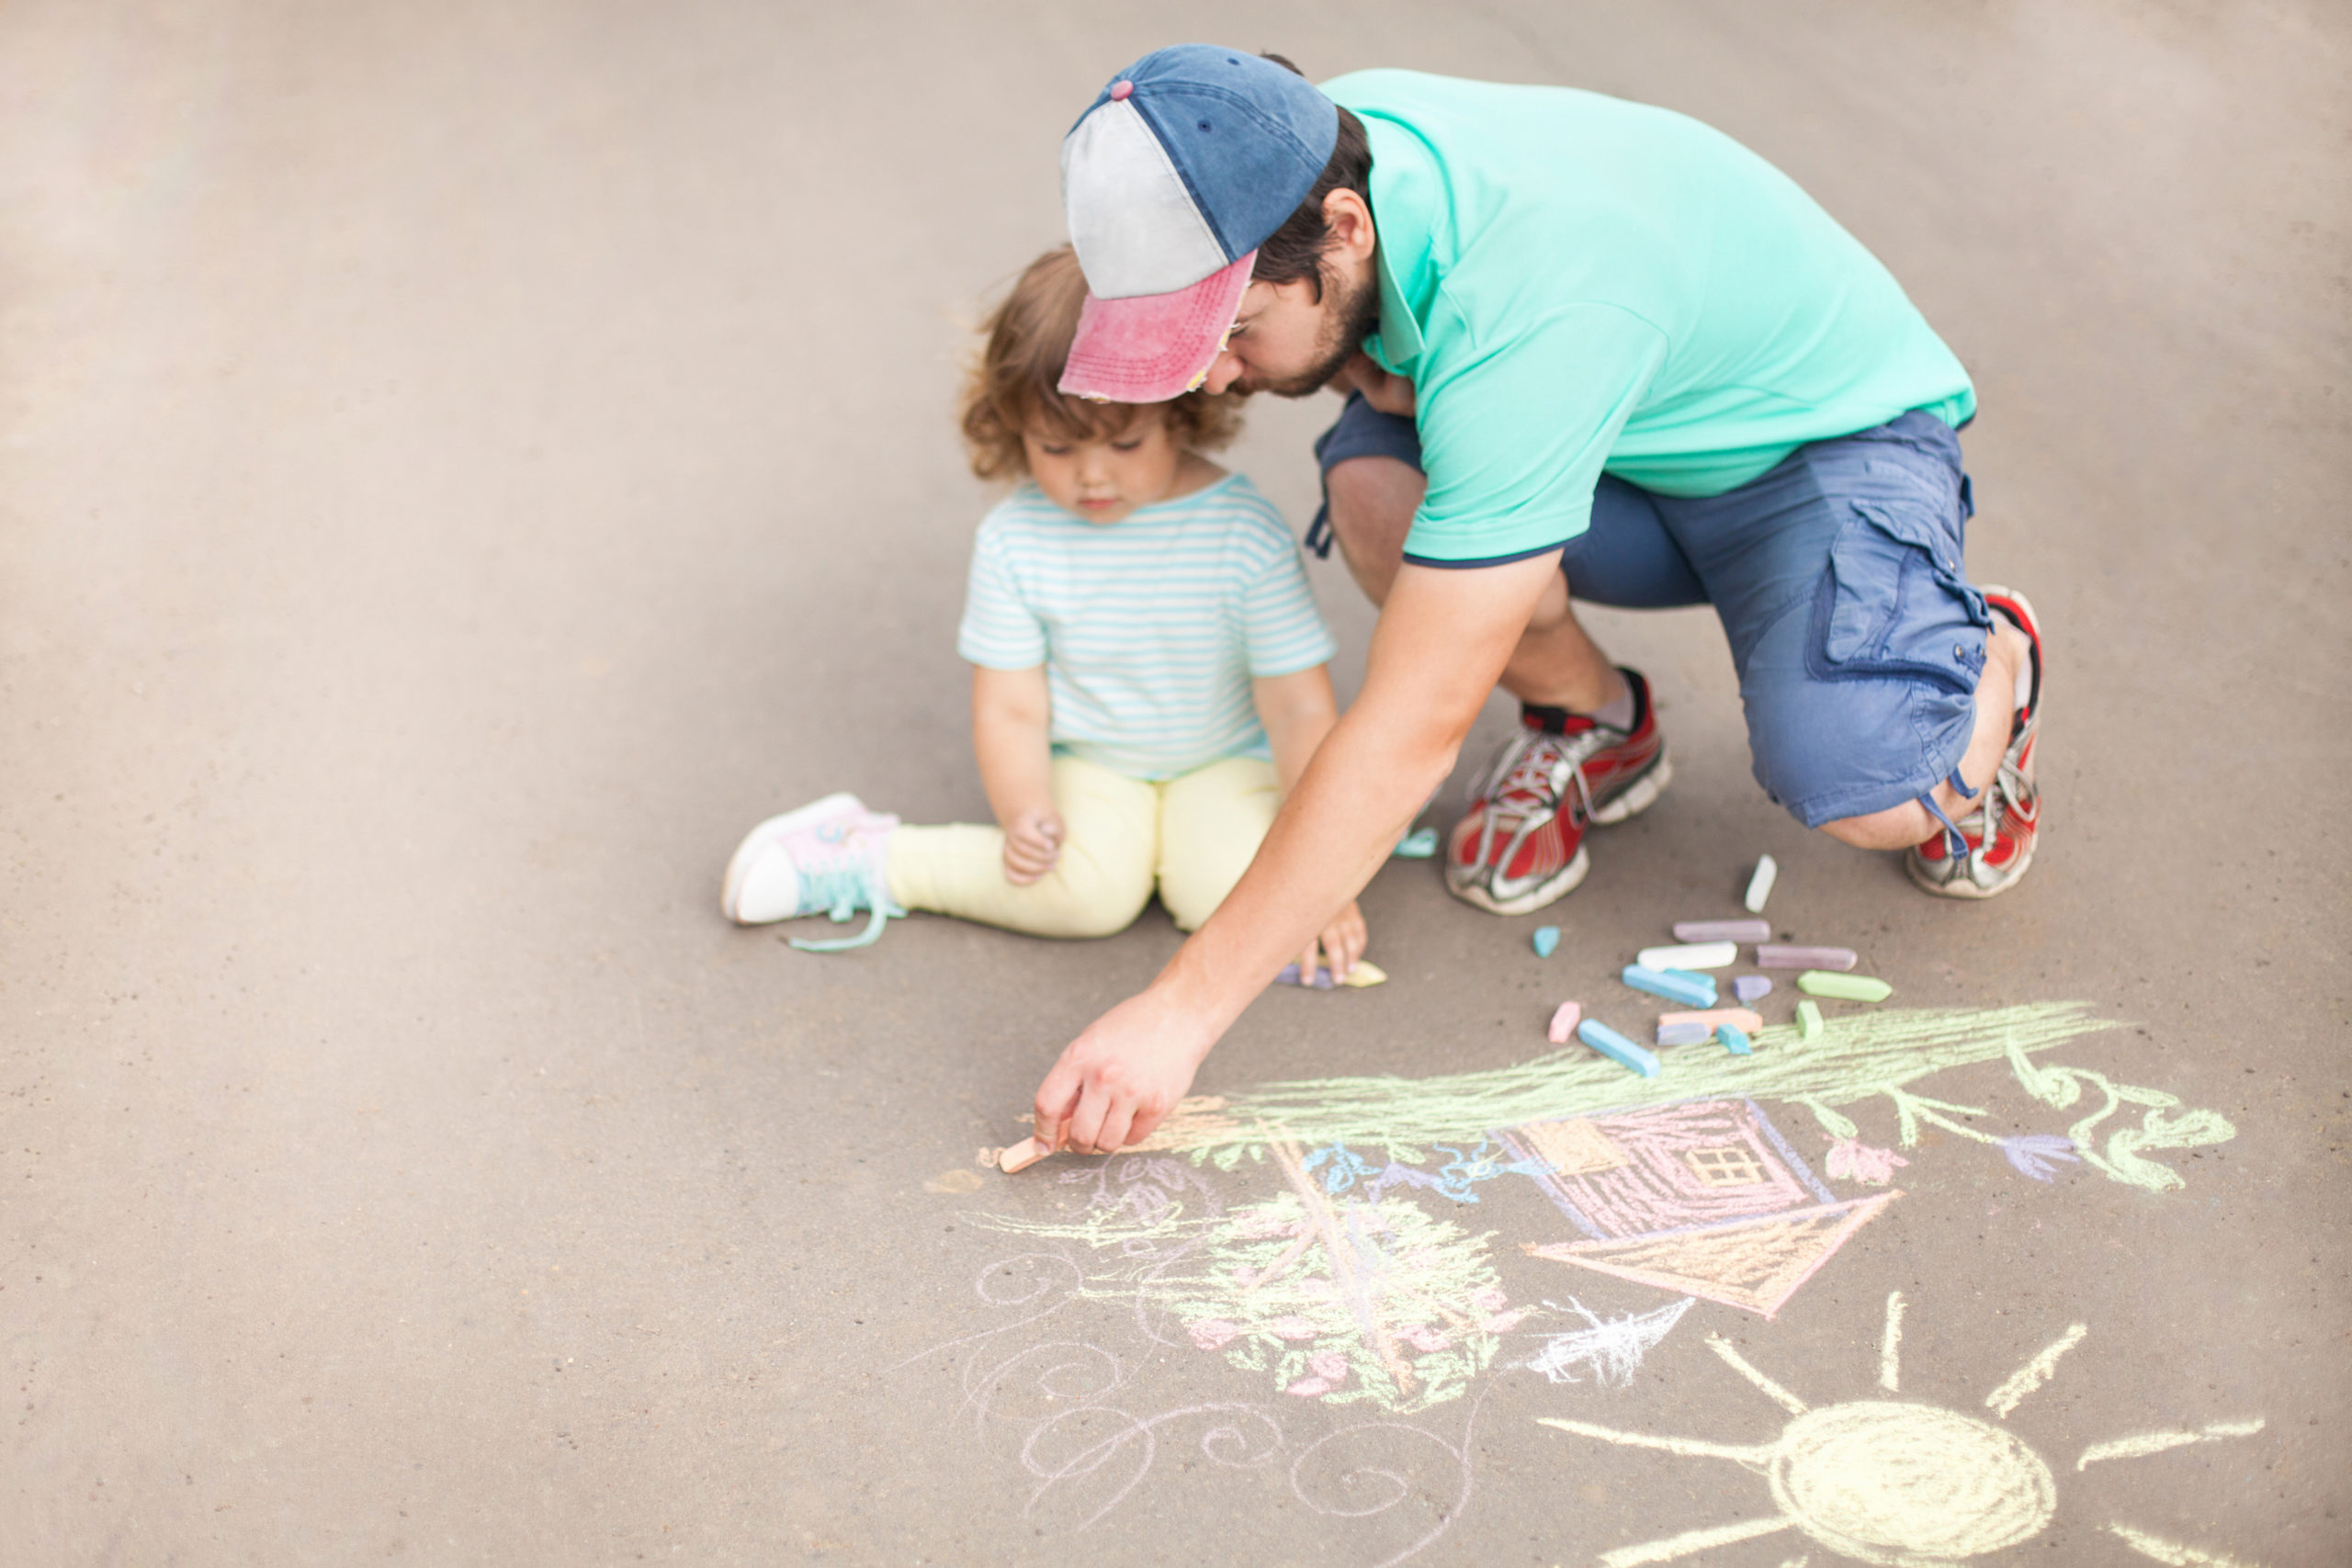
pixel 1745 1019
pixel 1022 1155
pixel 1723 931
pixel 1564 1024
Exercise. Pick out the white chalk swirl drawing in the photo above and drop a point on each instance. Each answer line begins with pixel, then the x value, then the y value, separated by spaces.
pixel 1349 1283
pixel 1897 1482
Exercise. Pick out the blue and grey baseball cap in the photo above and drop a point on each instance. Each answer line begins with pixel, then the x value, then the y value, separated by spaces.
pixel 1171 179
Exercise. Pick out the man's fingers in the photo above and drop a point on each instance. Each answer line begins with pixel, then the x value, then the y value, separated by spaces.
pixel 1093 1103
pixel 1056 1099
pixel 1113 1134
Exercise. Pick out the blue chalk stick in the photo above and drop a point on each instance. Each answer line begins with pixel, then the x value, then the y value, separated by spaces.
pixel 1616 1047
pixel 1682 1033
pixel 1734 1039
pixel 1419 844
pixel 1674 985
pixel 1547 940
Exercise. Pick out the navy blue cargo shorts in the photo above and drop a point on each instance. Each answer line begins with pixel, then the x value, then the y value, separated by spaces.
pixel 1857 635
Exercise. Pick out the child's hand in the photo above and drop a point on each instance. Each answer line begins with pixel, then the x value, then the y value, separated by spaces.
pixel 1341 943
pixel 1033 845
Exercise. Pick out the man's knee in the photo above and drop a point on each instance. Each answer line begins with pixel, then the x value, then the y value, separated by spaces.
pixel 1372 501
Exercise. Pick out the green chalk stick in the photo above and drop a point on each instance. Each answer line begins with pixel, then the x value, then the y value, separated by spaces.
pixel 1809 1019
pixel 1848 988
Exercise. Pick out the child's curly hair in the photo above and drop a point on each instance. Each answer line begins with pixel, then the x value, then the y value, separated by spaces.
pixel 1011 386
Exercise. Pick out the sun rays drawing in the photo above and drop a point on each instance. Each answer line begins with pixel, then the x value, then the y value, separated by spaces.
pixel 1901 1483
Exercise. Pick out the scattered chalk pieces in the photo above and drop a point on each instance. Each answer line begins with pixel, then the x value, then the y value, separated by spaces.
pixel 1846 988
pixel 1723 931
pixel 1738 1018
pixel 1674 985
pixel 1547 940
pixel 1760 887
pixel 1616 1047
pixel 1751 987
pixel 1022 1155
pixel 1690 955
pixel 1809 1019
pixel 1564 1024
pixel 1772 957
pixel 1419 844
pixel 1732 1040
pixel 1682 1033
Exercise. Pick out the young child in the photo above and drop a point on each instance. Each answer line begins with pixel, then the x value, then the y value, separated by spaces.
pixel 1149 674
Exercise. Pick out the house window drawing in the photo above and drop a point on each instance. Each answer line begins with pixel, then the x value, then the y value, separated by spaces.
pixel 1704 1198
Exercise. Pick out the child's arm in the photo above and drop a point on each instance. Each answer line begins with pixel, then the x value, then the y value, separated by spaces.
pixel 1298 711
pixel 1012 710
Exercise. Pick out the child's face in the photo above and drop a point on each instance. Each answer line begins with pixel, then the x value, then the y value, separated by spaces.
pixel 1102 480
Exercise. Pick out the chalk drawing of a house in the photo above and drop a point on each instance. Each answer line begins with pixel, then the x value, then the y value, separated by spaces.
pixel 1704 1198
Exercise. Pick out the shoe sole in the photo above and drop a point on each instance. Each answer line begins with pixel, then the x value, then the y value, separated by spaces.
pixel 1638 797
pixel 731 885
pixel 1563 882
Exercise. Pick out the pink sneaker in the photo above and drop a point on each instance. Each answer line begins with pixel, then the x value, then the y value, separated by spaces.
pixel 1998 837
pixel 824 859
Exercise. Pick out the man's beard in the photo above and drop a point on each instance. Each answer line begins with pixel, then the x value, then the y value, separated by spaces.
pixel 1347 319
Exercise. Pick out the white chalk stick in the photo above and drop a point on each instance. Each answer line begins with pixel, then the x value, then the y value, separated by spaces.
pixel 1692 955
pixel 1760 887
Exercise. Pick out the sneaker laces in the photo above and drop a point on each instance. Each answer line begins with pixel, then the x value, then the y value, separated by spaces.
pixel 847 875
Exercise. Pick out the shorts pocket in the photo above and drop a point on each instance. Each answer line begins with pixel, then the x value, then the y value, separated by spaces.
pixel 1894 603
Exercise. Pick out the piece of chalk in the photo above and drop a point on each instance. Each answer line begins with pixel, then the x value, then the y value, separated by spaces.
pixel 1674 985
pixel 1022 1155
pixel 1760 887
pixel 1848 988
pixel 1690 955
pixel 1723 931
pixel 1419 844
pixel 1564 1024
pixel 1682 1033
pixel 1616 1047
pixel 1738 1018
pixel 1771 957
pixel 1547 940
pixel 1809 1019
pixel 1365 973
pixel 1751 987
pixel 1733 1039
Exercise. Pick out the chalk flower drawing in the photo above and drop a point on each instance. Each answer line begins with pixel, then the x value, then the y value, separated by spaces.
pixel 1899 1482
pixel 1850 1159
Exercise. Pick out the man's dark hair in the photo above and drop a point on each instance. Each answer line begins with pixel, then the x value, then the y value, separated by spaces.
pixel 1295 251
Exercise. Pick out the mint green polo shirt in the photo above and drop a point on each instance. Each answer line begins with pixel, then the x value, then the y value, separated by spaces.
pixel 1578 285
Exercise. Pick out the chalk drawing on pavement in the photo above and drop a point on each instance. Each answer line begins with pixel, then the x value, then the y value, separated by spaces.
pixel 1896 1481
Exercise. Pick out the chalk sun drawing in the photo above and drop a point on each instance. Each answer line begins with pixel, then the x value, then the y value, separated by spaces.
pixel 1900 1482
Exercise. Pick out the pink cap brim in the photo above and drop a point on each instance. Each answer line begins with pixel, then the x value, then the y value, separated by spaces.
pixel 1156 346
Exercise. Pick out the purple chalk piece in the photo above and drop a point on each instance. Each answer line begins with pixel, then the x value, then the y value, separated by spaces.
pixel 1838 958
pixel 1289 976
pixel 1682 1033
pixel 1750 987
pixel 1723 931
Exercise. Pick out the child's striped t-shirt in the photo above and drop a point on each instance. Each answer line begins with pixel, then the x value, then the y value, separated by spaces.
pixel 1150 628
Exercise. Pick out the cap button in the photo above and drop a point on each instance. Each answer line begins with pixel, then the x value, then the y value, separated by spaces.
pixel 1119 90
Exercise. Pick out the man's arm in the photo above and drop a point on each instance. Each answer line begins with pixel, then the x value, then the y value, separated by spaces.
pixel 1442 639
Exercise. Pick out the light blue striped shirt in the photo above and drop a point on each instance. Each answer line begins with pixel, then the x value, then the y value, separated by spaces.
pixel 1150 628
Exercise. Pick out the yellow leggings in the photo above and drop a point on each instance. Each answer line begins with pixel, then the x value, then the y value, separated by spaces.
pixel 1193 836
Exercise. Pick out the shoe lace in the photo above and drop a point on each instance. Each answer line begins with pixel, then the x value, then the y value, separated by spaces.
pixel 1534 768
pixel 849 879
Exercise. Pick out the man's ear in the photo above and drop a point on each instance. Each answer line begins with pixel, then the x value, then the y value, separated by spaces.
pixel 1348 220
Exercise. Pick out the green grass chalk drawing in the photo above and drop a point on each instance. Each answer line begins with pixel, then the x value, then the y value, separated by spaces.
pixel 1863 1056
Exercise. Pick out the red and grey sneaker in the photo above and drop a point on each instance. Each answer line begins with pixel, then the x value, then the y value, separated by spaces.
pixel 1520 845
pixel 1985 852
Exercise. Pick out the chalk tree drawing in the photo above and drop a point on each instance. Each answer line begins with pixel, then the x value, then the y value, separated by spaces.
pixel 1898 1482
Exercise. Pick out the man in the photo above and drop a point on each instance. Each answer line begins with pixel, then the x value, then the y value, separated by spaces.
pixel 1597 350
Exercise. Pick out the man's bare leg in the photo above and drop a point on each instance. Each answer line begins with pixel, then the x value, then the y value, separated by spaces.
pixel 1555 664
